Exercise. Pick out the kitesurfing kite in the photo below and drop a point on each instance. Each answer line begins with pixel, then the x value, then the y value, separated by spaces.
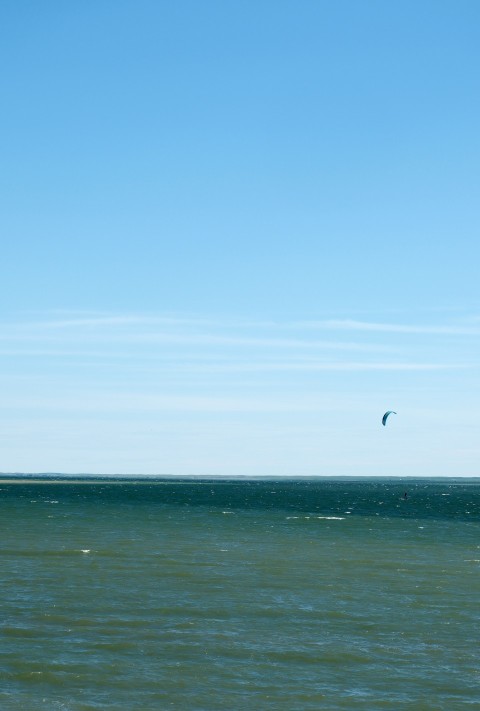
pixel 385 417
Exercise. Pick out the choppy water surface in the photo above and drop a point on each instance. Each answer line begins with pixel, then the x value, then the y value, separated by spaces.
pixel 201 595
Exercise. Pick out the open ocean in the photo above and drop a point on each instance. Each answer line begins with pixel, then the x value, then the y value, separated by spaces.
pixel 198 595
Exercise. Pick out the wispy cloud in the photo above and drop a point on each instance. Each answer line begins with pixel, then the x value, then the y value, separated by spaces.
pixel 369 326
pixel 144 330
pixel 110 320
pixel 296 366
pixel 90 320
pixel 203 344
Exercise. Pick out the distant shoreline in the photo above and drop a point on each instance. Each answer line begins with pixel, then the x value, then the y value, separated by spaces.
pixel 47 478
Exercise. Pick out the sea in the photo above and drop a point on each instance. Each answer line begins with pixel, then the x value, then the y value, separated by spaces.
pixel 204 594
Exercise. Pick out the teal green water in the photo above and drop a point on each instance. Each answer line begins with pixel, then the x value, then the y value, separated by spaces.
pixel 200 595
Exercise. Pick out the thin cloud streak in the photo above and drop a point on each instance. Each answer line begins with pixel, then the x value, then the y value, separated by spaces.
pixel 350 325
pixel 125 330
pixel 207 340
pixel 134 402
pixel 312 367
pixel 92 320
pixel 169 339
pixel 117 321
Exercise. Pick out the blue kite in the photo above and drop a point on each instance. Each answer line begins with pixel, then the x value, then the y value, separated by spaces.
pixel 385 417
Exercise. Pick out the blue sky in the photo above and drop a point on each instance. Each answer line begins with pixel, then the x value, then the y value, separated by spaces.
pixel 234 233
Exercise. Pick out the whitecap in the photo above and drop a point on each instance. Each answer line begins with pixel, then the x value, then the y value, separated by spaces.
pixel 332 518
